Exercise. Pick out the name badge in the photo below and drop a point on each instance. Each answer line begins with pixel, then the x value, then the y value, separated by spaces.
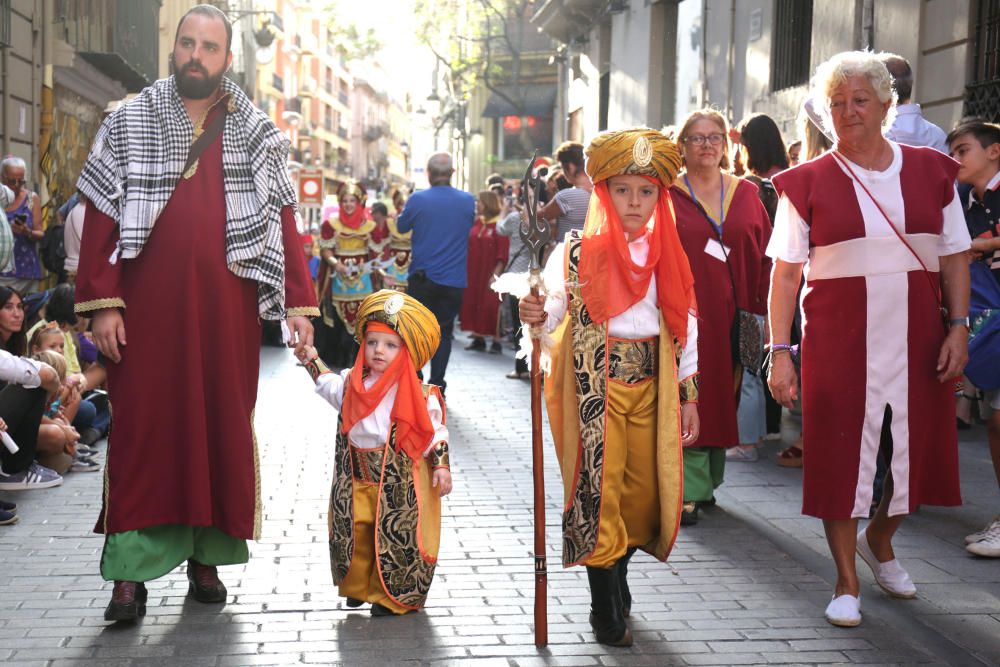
pixel 715 249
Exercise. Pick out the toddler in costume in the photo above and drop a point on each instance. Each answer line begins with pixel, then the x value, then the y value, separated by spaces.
pixel 391 466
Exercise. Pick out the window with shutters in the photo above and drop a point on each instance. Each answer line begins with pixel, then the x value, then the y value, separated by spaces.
pixel 791 43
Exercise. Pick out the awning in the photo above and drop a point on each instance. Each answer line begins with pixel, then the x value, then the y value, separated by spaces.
pixel 536 100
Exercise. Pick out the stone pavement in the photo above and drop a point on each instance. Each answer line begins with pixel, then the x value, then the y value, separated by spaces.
pixel 747 585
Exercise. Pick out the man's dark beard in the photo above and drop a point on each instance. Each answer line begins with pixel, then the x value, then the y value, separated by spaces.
pixel 192 88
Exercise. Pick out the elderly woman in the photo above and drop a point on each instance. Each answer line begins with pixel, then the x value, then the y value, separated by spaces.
pixel 724 230
pixel 877 363
pixel 25 216
pixel 619 297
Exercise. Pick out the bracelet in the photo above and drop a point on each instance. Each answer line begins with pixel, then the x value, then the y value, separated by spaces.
pixel 315 367
pixel 439 456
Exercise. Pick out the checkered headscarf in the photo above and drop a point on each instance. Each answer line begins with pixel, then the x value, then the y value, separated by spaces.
pixel 136 163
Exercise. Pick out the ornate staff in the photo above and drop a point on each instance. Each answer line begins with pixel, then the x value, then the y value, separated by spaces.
pixel 536 235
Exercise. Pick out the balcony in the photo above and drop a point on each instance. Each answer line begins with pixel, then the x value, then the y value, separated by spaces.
pixel 118 37
pixel 307 88
pixel 293 111
pixel 344 97
pixel 342 132
pixel 376 131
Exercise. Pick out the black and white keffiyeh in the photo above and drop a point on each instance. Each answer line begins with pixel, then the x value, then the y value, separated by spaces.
pixel 136 162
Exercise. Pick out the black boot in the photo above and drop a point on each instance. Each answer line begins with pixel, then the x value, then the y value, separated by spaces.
pixel 606 607
pixel 622 567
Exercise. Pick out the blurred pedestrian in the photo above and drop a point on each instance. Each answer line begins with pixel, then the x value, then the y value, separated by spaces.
pixel 764 154
pixel 877 365
pixel 724 230
pixel 181 481
pixel 440 219
pixel 622 397
pixel 399 249
pixel 24 213
pixel 488 254
pixel 568 209
pixel 909 125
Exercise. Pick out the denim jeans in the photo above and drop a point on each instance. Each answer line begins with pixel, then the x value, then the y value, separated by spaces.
pixel 444 302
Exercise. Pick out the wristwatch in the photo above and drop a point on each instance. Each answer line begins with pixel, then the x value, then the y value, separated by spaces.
pixel 964 321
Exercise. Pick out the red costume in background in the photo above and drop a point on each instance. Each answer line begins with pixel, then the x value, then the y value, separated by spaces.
pixel 480 312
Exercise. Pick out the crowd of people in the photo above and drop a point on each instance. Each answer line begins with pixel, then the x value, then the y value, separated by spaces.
pixel 703 278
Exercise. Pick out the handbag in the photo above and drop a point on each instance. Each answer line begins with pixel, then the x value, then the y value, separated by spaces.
pixel 746 337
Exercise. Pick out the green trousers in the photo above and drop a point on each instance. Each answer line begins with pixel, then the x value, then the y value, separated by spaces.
pixel 150 553
pixel 704 468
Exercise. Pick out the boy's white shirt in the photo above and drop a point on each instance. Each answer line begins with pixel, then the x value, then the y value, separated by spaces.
pixel 373 431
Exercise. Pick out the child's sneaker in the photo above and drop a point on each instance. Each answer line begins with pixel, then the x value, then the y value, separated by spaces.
pixel 7 518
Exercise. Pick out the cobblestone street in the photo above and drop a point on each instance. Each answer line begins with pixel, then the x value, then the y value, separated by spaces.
pixel 747 585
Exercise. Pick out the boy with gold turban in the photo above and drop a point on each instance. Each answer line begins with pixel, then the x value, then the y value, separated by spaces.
pixel 391 465
pixel 619 304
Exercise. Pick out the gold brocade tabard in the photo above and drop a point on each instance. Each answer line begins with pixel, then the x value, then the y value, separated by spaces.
pixel 576 395
pixel 407 521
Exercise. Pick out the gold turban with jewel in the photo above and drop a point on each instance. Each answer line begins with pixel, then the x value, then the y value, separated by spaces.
pixel 637 151
pixel 409 318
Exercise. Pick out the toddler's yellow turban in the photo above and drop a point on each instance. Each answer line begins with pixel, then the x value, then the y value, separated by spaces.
pixel 409 318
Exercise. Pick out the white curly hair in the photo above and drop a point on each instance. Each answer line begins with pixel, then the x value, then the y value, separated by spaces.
pixel 831 74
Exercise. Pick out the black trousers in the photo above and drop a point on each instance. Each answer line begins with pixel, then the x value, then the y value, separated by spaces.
pixel 22 410
pixel 444 302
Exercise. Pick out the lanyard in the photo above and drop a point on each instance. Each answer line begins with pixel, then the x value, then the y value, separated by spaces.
pixel 722 198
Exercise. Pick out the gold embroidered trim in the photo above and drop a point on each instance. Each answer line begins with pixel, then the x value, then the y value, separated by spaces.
pixel 99 304
pixel 688 389
pixel 257 505
pixel 303 311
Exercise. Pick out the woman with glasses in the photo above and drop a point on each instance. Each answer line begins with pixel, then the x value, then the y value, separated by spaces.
pixel 724 230
pixel 24 214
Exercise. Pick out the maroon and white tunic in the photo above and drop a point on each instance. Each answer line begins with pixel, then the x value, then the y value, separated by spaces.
pixel 871 326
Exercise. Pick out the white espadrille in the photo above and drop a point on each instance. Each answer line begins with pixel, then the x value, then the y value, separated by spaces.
pixel 844 611
pixel 890 576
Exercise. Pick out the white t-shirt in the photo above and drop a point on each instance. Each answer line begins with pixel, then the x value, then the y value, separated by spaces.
pixel 72 233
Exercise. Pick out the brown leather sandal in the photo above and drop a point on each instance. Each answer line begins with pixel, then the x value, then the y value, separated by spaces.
pixel 790 457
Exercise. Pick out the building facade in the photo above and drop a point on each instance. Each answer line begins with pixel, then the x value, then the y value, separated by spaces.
pixel 626 62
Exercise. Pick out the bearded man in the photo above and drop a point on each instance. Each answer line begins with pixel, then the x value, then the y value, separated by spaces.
pixel 189 241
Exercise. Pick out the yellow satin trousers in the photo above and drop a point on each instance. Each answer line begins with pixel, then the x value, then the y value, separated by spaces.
pixel 630 506
pixel 363 580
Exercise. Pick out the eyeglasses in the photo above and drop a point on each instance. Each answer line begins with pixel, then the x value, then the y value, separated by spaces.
pixel 700 139
pixel 14 181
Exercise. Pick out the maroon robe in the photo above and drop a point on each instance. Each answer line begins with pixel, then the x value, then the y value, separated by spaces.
pixel 480 312
pixel 745 232
pixel 183 449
